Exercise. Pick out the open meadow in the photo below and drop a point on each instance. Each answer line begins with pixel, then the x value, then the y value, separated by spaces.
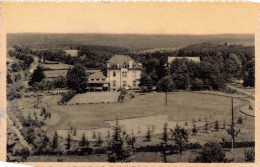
pixel 142 112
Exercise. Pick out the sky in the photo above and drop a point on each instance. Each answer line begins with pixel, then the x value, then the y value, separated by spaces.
pixel 136 18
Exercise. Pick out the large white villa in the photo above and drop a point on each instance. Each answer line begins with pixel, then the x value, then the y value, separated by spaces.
pixel 123 71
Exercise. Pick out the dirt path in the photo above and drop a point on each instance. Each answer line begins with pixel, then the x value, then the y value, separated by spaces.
pixel 23 142
pixel 62 116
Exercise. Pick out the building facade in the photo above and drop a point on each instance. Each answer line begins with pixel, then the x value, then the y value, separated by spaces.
pixel 123 72
pixel 97 81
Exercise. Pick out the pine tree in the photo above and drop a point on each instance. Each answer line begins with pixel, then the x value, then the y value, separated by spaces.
pixel 99 141
pixel 55 141
pixel 165 134
pixel 84 141
pixel 108 135
pixel 216 126
pixel 206 126
pixel 194 129
pixel 68 144
pixel 181 138
pixel 37 75
pixel 94 135
pixel 75 132
pixel 117 150
pixel 148 135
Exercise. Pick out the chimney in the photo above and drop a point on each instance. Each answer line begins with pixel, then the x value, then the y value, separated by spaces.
pixel 108 65
pixel 117 65
pixel 130 63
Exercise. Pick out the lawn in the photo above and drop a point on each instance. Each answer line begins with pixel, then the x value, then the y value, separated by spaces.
pixel 59 66
pixel 181 106
pixel 144 110
pixel 55 73
pixel 94 97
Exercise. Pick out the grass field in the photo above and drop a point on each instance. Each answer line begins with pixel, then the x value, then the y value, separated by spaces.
pixel 181 106
pixel 144 110
pixel 55 73
pixel 94 97
pixel 59 66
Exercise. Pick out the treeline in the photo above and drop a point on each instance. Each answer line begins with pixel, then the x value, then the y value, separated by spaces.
pixel 219 64
pixel 25 57
pixel 89 56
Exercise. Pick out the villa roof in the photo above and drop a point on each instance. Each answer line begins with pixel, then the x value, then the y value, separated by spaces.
pixel 97 75
pixel 122 60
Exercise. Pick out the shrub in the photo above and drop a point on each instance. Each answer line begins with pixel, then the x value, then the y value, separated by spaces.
pixel 196 84
pixel 67 96
pixel 240 120
pixel 211 152
pixel 249 155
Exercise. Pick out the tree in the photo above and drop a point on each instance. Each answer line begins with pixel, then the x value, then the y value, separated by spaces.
pixel 118 151
pixel 148 135
pixel 216 126
pixel 206 126
pixel 166 85
pixel 17 77
pixel 77 78
pixel 211 152
pixel 249 73
pixel 196 84
pixel 165 133
pixel 8 79
pixel 232 67
pixel 181 139
pixel 37 75
pixel 194 129
pixel 55 141
pixel 68 144
pixel 163 153
pixel 146 82
pixel 84 141
pixel 49 85
pixel 249 155
pixel 99 141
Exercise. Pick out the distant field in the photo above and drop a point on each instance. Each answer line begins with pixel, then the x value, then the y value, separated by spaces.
pixel 55 73
pixel 59 66
pixel 133 42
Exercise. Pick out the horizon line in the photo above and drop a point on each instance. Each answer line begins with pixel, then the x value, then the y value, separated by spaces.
pixel 126 33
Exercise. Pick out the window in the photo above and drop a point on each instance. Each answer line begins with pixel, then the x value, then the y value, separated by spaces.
pixel 124 74
pixel 124 83
pixel 92 79
pixel 134 74
pixel 103 79
pixel 114 83
pixel 134 83
pixel 114 73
